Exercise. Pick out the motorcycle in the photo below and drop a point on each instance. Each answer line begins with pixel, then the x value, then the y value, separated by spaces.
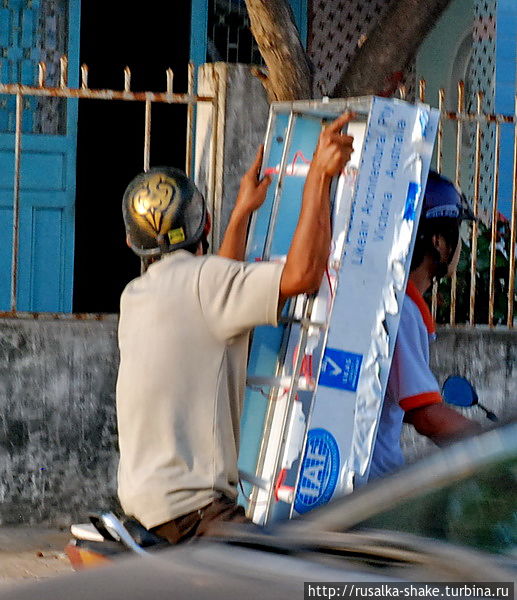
pixel 460 392
pixel 107 536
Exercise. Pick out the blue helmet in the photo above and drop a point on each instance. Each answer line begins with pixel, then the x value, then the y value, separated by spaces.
pixel 443 199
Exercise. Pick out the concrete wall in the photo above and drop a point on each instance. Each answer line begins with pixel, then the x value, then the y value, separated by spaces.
pixel 57 427
pixel 58 445
pixel 240 128
pixel 488 358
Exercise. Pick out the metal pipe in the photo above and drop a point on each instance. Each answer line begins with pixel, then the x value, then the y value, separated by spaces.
pixel 421 90
pixel 16 201
pixel 513 231
pixel 86 93
pixel 84 77
pixel 190 121
pixel 278 189
pixel 439 147
pixel 213 159
pixel 127 79
pixel 493 237
pixel 117 528
pixel 63 72
pixel 42 73
pixel 147 135
pixel 147 157
pixel 439 163
pixel 459 135
pixel 170 81
pixel 474 117
pixel 474 236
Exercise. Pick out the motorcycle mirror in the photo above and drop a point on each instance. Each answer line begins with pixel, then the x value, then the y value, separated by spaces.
pixel 459 391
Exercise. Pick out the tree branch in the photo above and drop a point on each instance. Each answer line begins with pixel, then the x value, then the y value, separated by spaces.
pixel 289 69
pixel 386 53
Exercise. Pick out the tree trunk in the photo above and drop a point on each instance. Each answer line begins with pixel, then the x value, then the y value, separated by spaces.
pixel 289 74
pixel 379 64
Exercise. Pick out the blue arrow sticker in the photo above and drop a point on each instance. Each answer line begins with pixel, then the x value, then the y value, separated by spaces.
pixel 340 369
pixel 413 194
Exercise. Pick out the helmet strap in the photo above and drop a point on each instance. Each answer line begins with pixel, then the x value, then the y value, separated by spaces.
pixel 204 243
pixel 163 243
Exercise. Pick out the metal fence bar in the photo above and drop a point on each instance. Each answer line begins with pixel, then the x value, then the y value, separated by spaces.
pixel 493 234
pixel 459 134
pixel 439 149
pixel 215 232
pixel 93 94
pixel 42 73
pixel 127 79
pixel 466 117
pixel 84 92
pixel 191 99
pixel 439 166
pixel 63 72
pixel 421 90
pixel 147 135
pixel 190 121
pixel 513 231
pixel 84 77
pixel 147 157
pixel 474 232
pixel 16 201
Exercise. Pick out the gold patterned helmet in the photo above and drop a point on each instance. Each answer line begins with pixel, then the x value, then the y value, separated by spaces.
pixel 163 211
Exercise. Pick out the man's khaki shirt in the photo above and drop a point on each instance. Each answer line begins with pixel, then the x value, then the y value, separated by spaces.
pixel 183 339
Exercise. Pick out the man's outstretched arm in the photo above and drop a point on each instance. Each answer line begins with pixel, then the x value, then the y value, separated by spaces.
pixel 441 424
pixel 252 193
pixel 310 247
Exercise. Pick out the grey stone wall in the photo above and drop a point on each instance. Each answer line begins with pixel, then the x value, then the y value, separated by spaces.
pixel 57 427
pixel 58 445
pixel 241 122
pixel 488 359
pixel 245 118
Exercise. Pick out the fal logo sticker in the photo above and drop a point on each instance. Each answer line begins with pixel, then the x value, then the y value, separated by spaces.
pixel 340 369
pixel 320 471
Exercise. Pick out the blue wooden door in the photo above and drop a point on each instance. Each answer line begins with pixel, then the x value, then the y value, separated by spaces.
pixel 33 31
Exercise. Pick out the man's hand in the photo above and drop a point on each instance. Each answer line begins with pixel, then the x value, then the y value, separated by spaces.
pixel 252 194
pixel 334 148
pixel 252 191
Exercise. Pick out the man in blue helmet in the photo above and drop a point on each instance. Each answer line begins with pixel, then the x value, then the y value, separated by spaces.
pixel 413 394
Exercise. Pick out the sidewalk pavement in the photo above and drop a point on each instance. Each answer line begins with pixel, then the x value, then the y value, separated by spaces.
pixel 32 553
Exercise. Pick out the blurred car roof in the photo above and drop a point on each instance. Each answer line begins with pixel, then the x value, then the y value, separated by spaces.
pixel 319 546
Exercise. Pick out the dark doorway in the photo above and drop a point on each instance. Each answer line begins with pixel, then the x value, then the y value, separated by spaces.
pixel 149 38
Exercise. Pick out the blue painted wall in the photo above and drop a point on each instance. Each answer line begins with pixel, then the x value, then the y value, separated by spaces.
pixel 505 90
